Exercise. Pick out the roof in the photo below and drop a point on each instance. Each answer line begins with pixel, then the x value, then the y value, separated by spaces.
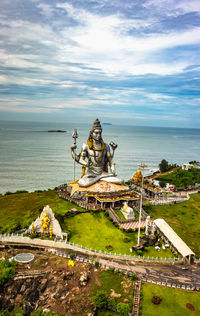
pixel 174 239
pixel 100 186
pixel 113 198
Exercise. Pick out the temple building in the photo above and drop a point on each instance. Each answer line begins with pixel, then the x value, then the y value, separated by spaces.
pixel 150 190
pixel 100 195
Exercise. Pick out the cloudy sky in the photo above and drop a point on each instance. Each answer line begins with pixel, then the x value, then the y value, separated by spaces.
pixel 127 62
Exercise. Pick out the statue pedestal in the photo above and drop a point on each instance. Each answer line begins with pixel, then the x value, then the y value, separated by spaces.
pixel 100 195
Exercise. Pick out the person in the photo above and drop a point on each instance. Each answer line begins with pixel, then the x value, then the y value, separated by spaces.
pixel 96 156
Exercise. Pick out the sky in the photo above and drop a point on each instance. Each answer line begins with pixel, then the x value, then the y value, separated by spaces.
pixel 132 62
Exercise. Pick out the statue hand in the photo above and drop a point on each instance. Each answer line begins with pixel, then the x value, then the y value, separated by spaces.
pixel 73 147
pixel 112 168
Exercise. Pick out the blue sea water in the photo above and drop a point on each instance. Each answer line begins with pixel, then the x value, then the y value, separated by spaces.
pixel 31 158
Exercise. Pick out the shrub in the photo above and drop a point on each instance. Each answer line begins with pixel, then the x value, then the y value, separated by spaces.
pixel 139 252
pixel 109 247
pixel 40 313
pixel 123 309
pixel 100 299
pixel 71 255
pixel 15 227
pixel 127 239
pixel 96 264
pixel 21 191
pixel 156 300
pixel 33 235
pixel 111 269
pixel 111 304
pixel 134 277
pixel 8 193
pixel 7 271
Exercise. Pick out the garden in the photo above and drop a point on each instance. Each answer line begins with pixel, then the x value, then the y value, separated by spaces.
pixel 158 300
pixel 90 229
pixel 94 230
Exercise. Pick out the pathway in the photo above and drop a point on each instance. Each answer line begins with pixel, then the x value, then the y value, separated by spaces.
pixel 136 301
pixel 132 225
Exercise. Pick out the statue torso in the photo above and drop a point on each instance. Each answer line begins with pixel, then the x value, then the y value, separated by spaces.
pixel 97 159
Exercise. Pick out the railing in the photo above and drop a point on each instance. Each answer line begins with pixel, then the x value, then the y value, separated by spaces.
pixel 63 244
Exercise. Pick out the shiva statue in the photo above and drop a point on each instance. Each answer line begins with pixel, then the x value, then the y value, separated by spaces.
pixel 96 156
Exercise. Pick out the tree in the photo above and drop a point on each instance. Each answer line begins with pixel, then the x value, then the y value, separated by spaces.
pixel 7 271
pixel 100 300
pixel 123 309
pixel 163 166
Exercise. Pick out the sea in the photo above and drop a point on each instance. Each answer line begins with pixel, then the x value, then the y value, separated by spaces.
pixel 31 158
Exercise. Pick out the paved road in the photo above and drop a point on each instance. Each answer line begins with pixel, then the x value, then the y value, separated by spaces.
pixel 171 273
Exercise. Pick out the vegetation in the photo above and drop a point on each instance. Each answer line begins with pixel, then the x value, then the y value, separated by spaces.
pixel 40 313
pixel 182 178
pixel 7 272
pixel 183 217
pixel 100 300
pixel 86 228
pixel 18 210
pixel 164 166
pixel 123 309
pixel 121 285
pixel 173 301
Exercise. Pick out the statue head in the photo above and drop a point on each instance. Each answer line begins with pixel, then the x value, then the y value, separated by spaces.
pixel 95 132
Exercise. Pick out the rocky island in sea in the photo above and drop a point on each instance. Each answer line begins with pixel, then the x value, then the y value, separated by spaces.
pixel 56 131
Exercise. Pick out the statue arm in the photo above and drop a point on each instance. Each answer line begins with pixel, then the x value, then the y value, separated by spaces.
pixel 113 147
pixel 83 156
pixel 74 155
pixel 110 161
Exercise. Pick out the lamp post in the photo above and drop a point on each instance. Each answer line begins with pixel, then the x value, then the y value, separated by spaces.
pixel 141 166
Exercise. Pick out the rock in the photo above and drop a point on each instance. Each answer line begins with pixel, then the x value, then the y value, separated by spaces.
pixel 43 285
pixel 27 309
pixel 113 294
pixel 18 299
pixel 23 288
pixel 68 275
pixel 84 278
pixel 46 310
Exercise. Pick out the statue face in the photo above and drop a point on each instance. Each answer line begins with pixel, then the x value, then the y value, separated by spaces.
pixel 96 134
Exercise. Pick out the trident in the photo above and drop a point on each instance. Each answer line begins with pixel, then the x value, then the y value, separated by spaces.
pixel 75 136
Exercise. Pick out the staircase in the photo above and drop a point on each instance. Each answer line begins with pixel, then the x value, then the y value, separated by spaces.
pixel 136 300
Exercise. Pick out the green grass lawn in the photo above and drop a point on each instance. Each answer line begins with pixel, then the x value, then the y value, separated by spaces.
pixel 92 230
pixel 173 301
pixel 120 284
pixel 184 218
pixel 21 209
pixel 95 231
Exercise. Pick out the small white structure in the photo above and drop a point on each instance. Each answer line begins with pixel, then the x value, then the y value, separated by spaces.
pixel 37 224
pixel 187 166
pixel 127 211
pixel 173 239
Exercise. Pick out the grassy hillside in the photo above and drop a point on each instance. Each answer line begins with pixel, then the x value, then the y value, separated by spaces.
pixel 184 218
pixel 182 178
pixel 18 210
